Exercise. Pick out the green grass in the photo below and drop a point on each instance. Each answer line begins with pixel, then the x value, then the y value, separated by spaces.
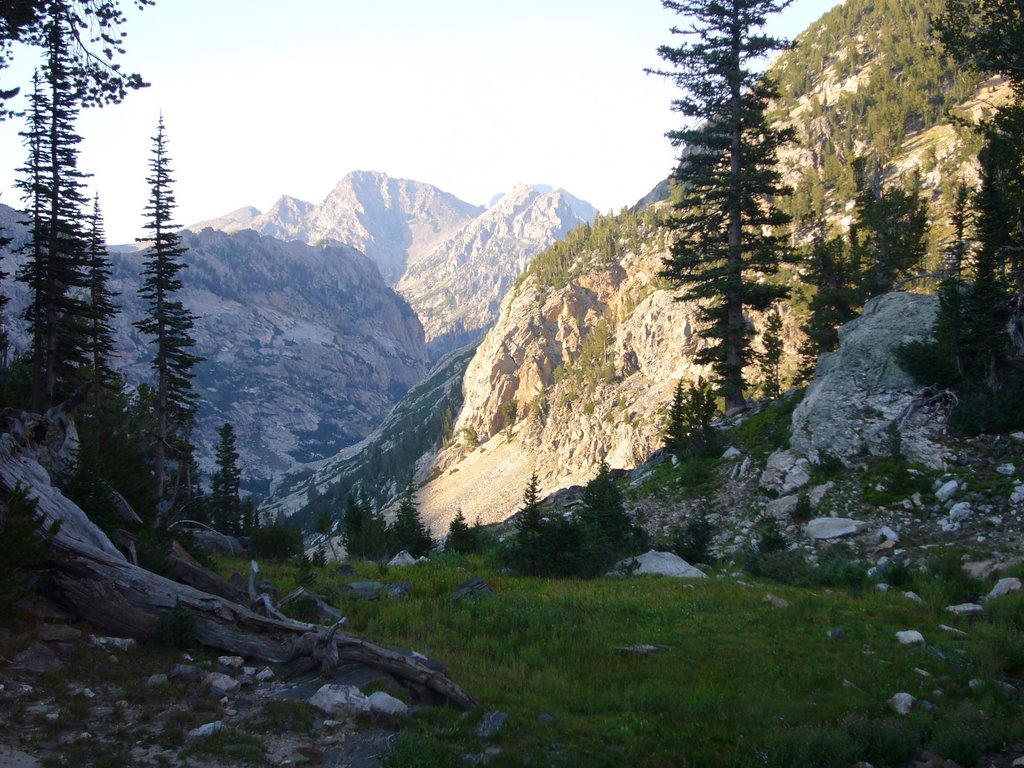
pixel 737 682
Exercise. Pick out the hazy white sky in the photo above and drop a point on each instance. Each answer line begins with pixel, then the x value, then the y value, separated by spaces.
pixel 263 98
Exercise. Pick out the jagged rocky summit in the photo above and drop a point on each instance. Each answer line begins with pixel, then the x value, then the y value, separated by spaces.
pixel 394 222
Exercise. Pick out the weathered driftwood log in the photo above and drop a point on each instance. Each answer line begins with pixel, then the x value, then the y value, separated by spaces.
pixel 96 580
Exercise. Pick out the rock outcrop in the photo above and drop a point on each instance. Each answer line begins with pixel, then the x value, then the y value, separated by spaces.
pixel 860 393
pixel 568 375
pixel 457 287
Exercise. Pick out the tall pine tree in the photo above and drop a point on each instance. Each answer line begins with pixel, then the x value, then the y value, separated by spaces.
pixel 726 221
pixel 168 322
pixel 56 269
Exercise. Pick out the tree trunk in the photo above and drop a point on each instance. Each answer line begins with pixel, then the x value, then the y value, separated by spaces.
pixel 93 578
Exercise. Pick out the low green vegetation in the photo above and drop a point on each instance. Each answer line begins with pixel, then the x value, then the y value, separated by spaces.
pixel 735 681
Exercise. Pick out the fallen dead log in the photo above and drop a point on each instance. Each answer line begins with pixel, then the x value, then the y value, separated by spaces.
pixel 92 577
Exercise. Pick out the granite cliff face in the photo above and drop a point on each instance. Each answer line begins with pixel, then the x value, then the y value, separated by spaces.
pixel 566 376
pixel 394 222
pixel 457 287
pixel 306 349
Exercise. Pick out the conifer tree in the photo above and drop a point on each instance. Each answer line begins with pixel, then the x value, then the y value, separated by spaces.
pixel 364 531
pixel 688 433
pixel 726 219
pixel 226 482
pixel 888 237
pixel 769 360
pixel 608 532
pixel 167 321
pixel 529 554
pixel 408 531
pixel 56 269
pixel 100 331
pixel 94 25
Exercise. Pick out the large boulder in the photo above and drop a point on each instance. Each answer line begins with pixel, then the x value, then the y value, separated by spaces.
pixel 860 391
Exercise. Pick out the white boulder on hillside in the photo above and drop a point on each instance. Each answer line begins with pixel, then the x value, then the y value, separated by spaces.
pixel 860 391
pixel 656 563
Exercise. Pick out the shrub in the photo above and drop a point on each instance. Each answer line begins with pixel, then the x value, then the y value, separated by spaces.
pixel 276 542
pixel 176 629
pixel 25 542
pixel 692 541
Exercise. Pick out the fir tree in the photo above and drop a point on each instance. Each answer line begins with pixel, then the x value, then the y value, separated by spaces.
pixel 460 537
pixel 364 531
pixel 102 309
pixel 888 237
pixel 94 25
pixel 528 555
pixel 608 532
pixel 769 360
pixel 688 433
pixel 408 531
pixel 168 321
pixel 726 220
pixel 56 269
pixel 226 482
pixel 829 270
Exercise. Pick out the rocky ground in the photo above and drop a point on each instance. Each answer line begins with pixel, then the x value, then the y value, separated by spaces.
pixel 71 698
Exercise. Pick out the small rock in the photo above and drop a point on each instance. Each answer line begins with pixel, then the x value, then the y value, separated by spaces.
pixel 980 569
pixel 825 528
pixel 221 684
pixel 231 662
pixel 366 590
pixel 336 699
pixel 39 659
pixel 947 490
pixel 56 633
pixel 885 533
pixel 960 512
pixel 1004 587
pixel 965 609
pixel 952 630
pixel 491 723
pixel 838 633
pixel 975 684
pixel 913 597
pixel 782 509
pixel 155 681
pixel 1017 497
pixel 187 672
pixel 882 586
pixel 776 601
pixel 474 586
pixel 640 649
pixel 732 452
pixel 264 675
pixel 398 590
pixel 902 703
pixel 402 558
pixel 1006 469
pixel 385 704
pixel 120 643
pixel 922 672
pixel 910 637
pixel 204 730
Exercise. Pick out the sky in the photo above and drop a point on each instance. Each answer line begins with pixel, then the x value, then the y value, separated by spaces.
pixel 472 97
